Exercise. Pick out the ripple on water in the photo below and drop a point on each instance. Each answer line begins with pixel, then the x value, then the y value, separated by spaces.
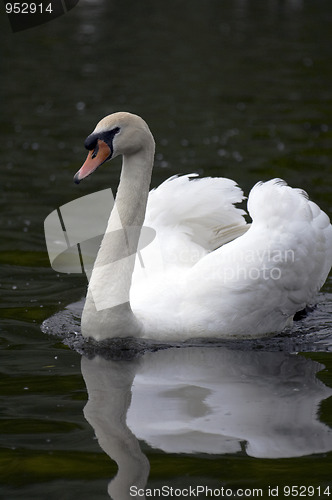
pixel 313 333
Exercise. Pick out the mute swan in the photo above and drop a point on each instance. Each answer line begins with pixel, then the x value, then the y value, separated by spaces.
pixel 207 273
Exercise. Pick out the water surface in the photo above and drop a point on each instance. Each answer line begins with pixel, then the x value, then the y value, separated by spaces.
pixel 233 88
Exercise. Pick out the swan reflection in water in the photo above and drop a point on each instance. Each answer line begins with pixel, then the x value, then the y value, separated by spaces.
pixel 203 400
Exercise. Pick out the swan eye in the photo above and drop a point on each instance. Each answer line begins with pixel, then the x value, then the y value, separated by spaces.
pixel 91 142
pixel 95 151
pixel 109 135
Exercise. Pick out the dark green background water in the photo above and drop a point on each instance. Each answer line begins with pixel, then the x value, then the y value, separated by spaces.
pixel 241 89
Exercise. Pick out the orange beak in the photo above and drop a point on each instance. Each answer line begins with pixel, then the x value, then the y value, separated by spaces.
pixel 93 161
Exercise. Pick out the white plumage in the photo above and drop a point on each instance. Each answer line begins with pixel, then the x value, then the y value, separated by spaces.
pixel 207 273
pixel 250 286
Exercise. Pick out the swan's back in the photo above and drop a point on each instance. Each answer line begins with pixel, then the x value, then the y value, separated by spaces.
pixel 250 285
pixel 302 226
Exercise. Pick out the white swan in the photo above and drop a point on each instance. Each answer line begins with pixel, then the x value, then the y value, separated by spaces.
pixel 207 273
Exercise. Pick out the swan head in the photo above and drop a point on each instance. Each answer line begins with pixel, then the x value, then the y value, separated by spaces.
pixel 116 134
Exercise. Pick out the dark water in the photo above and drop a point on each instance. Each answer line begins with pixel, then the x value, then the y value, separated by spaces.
pixel 234 88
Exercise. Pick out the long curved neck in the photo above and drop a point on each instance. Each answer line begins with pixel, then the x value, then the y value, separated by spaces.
pixel 130 204
pixel 107 312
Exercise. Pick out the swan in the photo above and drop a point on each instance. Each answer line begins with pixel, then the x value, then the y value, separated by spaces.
pixel 207 273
